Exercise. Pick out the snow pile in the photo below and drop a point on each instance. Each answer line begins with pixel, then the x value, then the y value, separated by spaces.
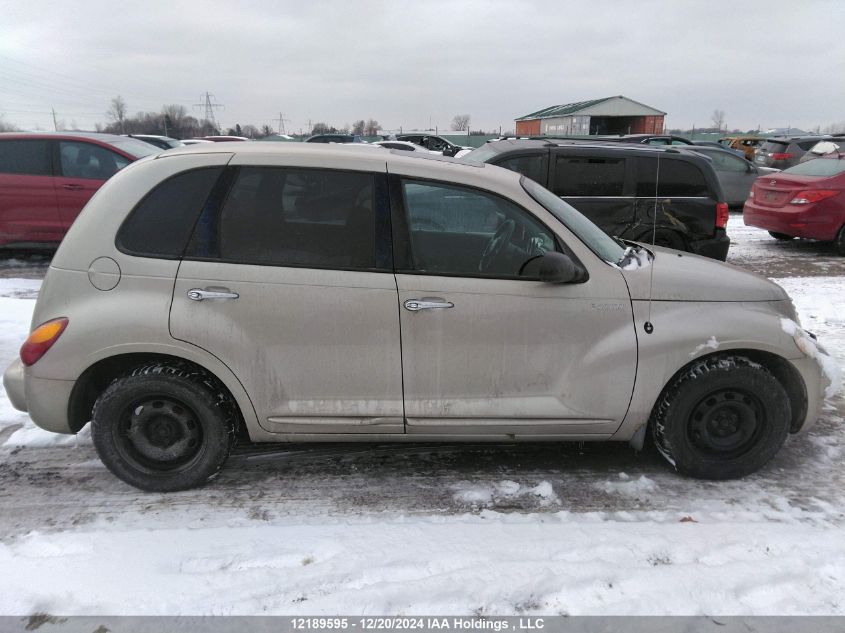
pixel 640 488
pixel 32 436
pixel 484 495
pixel 17 300
pixel 636 258
pixel 829 365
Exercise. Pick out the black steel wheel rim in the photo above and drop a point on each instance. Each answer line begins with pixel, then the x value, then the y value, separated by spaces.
pixel 159 433
pixel 726 423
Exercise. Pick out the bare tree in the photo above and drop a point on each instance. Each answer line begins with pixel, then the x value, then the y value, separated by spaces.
pixel 372 128
pixel 460 123
pixel 718 118
pixel 358 127
pixel 117 112
pixel 6 127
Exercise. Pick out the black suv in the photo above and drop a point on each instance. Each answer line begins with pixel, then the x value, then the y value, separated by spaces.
pixel 432 142
pixel 615 185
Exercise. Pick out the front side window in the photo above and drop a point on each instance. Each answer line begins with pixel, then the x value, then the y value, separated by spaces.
pixel 24 157
pixel 278 216
pixel 86 160
pixel 589 176
pixel 461 231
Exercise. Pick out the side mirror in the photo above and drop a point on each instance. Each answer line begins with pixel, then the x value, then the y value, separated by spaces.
pixel 554 268
pixel 450 151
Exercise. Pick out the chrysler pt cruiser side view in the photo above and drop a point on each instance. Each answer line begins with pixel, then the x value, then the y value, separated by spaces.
pixel 303 293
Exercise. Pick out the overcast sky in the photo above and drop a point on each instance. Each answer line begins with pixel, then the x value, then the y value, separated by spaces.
pixel 415 64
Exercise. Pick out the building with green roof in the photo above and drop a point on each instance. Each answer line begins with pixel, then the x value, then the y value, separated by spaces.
pixel 610 115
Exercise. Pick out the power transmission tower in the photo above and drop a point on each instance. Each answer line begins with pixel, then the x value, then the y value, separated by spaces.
pixel 282 120
pixel 208 106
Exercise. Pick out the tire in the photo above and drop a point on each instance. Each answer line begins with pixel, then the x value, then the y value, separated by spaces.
pixel 164 427
pixel 722 418
pixel 781 237
pixel 839 242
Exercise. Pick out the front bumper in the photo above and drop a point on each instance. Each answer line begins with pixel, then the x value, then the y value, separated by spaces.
pixel 715 247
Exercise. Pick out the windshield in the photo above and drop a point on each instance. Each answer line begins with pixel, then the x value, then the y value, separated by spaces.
pixel 136 148
pixel 596 240
pixel 818 167
pixel 481 154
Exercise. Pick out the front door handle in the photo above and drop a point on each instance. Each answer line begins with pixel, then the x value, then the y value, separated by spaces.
pixel 427 303
pixel 72 187
pixel 200 294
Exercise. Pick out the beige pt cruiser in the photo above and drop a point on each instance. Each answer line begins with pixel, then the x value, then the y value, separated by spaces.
pixel 309 293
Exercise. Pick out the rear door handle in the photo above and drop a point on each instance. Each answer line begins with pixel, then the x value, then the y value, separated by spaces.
pixel 427 303
pixel 200 294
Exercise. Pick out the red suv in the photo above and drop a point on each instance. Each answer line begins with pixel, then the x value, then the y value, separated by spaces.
pixel 807 200
pixel 46 179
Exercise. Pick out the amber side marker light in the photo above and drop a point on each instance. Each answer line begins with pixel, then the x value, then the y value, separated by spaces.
pixel 42 339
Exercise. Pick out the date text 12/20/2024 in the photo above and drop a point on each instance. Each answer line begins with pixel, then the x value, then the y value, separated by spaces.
pixel 374 623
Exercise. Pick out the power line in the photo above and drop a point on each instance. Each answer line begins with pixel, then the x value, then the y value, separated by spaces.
pixel 209 108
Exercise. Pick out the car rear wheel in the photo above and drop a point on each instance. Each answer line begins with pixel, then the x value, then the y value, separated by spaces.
pixel 164 427
pixel 722 418
pixel 783 237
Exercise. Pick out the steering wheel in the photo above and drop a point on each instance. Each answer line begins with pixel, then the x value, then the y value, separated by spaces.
pixel 496 244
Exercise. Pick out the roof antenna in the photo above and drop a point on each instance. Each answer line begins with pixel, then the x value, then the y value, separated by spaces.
pixel 648 326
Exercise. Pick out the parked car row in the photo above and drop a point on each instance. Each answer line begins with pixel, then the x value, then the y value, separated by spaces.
pixel 380 296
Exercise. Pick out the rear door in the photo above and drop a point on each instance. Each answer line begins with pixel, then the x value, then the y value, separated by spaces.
pixel 83 168
pixel 28 209
pixel 290 283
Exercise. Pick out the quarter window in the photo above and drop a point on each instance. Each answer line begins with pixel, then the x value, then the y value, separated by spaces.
pixel 86 160
pixel 461 231
pixel 292 217
pixel 534 167
pixel 160 226
pixel 24 157
pixel 589 176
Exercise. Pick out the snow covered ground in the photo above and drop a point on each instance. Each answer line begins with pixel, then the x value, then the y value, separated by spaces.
pixel 528 529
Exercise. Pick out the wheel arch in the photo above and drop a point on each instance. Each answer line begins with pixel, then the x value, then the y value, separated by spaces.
pixel 97 377
pixel 783 371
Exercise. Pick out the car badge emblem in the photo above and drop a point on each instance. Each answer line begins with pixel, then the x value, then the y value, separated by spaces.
pixel 773 182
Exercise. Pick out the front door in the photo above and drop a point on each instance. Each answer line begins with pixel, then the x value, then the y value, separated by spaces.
pixel 290 284
pixel 486 351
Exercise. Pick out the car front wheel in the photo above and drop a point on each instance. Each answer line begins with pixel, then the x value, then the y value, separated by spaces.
pixel 164 427
pixel 722 418
pixel 781 237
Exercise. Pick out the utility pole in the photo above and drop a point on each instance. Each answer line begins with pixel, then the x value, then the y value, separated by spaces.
pixel 55 125
pixel 282 120
pixel 208 107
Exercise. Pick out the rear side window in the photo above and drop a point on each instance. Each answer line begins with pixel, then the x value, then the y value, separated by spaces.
pixel 161 225
pixel 678 178
pixel 805 145
pixel 534 167
pixel 589 176
pixel 310 218
pixel 24 157
pixel 723 161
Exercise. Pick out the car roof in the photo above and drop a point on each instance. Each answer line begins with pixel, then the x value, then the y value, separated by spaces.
pixel 348 152
pixel 94 136
pixel 504 145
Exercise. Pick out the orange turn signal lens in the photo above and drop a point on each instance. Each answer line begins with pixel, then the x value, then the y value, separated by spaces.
pixel 41 339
